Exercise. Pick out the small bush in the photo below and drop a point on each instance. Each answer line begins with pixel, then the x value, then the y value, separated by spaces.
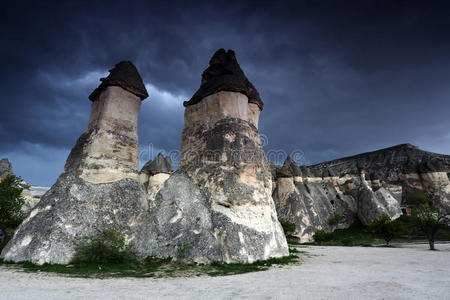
pixel 11 201
pixel 321 236
pixel 106 247
pixel 336 220
pixel 387 228
pixel 288 227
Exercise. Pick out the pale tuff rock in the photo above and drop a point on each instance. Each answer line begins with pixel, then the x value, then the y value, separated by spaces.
pixel 154 174
pixel 311 201
pixel 32 197
pixel 217 206
pixel 399 169
pixel 371 184
pixel 99 187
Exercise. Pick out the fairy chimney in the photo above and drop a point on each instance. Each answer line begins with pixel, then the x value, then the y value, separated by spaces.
pixel 108 150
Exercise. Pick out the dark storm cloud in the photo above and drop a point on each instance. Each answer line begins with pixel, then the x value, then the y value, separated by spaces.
pixel 337 77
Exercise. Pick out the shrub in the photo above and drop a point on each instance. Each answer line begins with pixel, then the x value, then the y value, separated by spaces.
pixel 430 219
pixel 11 201
pixel 347 242
pixel 288 227
pixel 387 228
pixel 108 246
pixel 336 220
pixel 321 236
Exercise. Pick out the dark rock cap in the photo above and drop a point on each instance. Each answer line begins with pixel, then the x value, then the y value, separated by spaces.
pixel 160 164
pixel 125 75
pixel 289 169
pixel 225 74
pixel 429 164
pixel 296 171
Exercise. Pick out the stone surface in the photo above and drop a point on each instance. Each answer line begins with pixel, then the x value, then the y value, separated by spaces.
pixel 70 210
pixel 403 169
pixel 108 150
pixel 361 187
pixel 225 74
pixel 32 197
pixel 310 201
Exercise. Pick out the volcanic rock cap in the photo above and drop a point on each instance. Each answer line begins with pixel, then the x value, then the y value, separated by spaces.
pixel 225 74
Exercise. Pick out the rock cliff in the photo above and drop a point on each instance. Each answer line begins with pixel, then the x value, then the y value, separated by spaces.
pixel 404 169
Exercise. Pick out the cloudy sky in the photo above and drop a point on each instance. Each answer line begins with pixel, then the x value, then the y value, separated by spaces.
pixel 337 77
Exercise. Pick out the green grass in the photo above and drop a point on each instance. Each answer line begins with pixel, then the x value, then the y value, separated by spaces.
pixel 151 267
pixel 359 235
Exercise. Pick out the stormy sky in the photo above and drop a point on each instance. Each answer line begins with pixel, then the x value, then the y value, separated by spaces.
pixel 337 77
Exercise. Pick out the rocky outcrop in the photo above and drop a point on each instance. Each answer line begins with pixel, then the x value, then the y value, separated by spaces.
pixel 360 187
pixel 99 187
pixel 403 169
pixel 154 174
pixel 311 200
pixel 217 206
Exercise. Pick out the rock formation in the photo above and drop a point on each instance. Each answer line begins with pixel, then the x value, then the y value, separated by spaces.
pixel 404 170
pixel 99 187
pixel 154 174
pixel 363 186
pixel 217 206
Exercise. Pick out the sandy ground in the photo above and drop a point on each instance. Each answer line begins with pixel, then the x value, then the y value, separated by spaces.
pixel 410 272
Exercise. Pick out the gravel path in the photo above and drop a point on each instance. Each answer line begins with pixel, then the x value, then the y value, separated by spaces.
pixel 410 272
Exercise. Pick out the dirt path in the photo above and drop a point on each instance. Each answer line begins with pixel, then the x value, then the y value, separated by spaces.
pixel 411 272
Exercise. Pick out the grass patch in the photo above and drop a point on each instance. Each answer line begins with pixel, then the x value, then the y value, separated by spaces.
pixel 151 268
pixel 360 235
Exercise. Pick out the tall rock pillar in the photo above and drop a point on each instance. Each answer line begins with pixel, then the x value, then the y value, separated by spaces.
pixel 108 150
pixel 99 187
pixel 218 206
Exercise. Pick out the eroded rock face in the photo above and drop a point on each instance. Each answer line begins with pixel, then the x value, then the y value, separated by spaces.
pixel 217 206
pixel 403 169
pixel 99 187
pixel 311 201
pixel 70 210
pixel 363 186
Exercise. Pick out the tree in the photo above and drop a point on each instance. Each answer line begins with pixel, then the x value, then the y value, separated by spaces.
pixel 429 219
pixel 335 220
pixel 288 227
pixel 387 228
pixel 11 201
